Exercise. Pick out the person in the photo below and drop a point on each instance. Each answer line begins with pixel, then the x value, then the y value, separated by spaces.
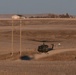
pixel 59 44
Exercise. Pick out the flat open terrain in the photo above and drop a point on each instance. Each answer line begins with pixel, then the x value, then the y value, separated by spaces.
pixel 37 68
pixel 60 61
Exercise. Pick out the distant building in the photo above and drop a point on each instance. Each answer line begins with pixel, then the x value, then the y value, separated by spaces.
pixel 18 17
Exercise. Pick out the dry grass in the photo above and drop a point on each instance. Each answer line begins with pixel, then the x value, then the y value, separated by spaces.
pixel 40 29
pixel 41 34
pixel 40 21
pixel 16 55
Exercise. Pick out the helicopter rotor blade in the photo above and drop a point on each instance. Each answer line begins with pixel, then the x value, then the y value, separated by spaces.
pixel 45 40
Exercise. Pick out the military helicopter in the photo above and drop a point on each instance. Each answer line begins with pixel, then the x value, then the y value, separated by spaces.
pixel 44 48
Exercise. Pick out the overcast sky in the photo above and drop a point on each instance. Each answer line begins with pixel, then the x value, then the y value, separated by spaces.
pixel 37 6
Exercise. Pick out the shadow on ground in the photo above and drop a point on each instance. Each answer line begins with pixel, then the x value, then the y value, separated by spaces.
pixel 25 58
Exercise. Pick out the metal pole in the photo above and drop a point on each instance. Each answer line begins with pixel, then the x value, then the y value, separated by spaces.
pixel 20 36
pixel 12 37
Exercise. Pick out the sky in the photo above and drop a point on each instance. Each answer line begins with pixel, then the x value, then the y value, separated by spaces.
pixel 37 6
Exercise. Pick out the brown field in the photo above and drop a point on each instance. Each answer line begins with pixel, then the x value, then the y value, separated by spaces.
pixel 60 61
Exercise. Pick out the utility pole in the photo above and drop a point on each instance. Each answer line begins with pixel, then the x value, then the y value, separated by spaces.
pixel 20 36
pixel 12 38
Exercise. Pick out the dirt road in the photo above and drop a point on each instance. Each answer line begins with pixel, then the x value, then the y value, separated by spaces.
pixel 53 52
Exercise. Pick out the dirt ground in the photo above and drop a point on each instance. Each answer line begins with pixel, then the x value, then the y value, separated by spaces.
pixel 61 61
